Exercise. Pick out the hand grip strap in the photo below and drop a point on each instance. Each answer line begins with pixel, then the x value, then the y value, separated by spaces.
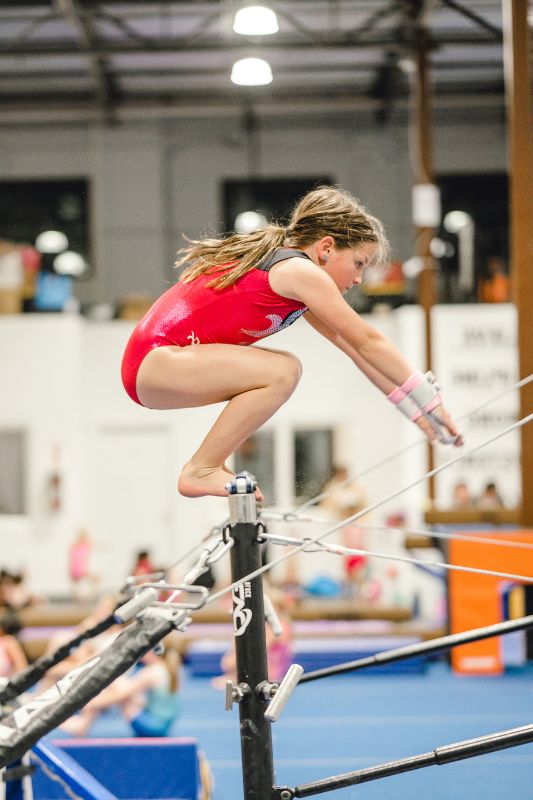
pixel 418 395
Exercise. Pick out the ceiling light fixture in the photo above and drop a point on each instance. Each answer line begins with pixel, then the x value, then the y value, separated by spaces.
pixel 51 242
pixel 250 221
pixel 255 21
pixel 70 263
pixel 251 72
pixel 455 221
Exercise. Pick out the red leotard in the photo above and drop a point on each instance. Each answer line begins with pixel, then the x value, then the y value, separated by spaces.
pixel 194 313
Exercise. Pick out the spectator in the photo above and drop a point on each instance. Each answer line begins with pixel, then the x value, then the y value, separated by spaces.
pixel 490 499
pixel 494 285
pixel 87 649
pixel 143 564
pixel 148 699
pixel 461 497
pixel 83 581
pixel 345 498
pixel 14 593
pixel 341 493
pixel 12 656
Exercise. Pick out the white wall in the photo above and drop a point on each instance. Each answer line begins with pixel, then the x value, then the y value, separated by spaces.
pixel 120 462
pixel 41 380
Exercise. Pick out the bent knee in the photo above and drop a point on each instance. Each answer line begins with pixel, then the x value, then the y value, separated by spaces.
pixel 291 371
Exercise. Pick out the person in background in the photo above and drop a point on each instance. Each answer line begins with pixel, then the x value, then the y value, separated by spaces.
pixel 354 537
pixel 345 498
pixel 14 592
pixel 143 564
pixel 191 348
pixel 12 656
pixel 490 498
pixel 462 498
pixel 82 580
pixel 87 649
pixel 341 493
pixel 148 699
pixel 494 286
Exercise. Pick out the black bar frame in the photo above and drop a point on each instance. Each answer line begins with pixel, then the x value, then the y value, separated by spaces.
pixel 26 724
pixel 446 754
pixel 251 658
pixel 250 648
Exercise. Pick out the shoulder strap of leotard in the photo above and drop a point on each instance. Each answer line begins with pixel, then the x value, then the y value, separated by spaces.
pixel 280 255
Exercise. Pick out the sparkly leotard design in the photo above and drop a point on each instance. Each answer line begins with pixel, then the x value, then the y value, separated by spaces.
pixel 194 313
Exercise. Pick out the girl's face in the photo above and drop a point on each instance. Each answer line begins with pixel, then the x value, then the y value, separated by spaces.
pixel 346 265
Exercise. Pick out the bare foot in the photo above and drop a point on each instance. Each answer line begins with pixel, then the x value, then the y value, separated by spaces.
pixel 202 481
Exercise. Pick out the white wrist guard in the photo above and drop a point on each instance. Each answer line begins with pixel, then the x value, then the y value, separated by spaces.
pixel 423 390
pixel 405 404
pixel 420 396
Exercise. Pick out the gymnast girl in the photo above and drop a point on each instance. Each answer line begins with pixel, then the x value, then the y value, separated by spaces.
pixel 149 699
pixel 190 348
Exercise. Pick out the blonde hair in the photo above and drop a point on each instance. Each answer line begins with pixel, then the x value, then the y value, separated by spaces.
pixel 325 211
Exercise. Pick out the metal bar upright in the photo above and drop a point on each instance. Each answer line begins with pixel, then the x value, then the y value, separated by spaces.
pixel 250 647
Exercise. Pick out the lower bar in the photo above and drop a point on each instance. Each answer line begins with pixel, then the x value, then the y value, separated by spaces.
pixel 422 648
pixel 441 755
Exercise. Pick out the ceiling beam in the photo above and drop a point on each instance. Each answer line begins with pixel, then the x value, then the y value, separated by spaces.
pixel 179 44
pixel 481 21
pixel 42 75
pixel 80 19
pixel 449 95
pixel 78 109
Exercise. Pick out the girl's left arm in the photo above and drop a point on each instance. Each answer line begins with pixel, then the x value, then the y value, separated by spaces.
pixel 376 377
pixel 379 380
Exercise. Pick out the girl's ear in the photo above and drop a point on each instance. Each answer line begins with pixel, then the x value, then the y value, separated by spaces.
pixel 327 242
pixel 324 247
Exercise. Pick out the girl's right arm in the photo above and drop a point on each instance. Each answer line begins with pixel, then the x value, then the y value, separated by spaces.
pixel 372 351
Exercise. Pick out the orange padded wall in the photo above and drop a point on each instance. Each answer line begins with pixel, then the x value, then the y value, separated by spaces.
pixel 474 600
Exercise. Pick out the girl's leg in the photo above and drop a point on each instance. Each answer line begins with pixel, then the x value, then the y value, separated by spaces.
pixel 133 706
pixel 254 381
pixel 80 724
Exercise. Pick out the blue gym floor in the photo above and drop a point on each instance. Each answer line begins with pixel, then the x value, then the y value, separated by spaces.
pixel 350 722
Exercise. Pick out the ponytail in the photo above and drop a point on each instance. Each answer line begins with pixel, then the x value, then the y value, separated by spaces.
pixel 231 257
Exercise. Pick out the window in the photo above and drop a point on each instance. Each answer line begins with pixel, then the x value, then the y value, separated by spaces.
pixel 313 454
pixel 28 209
pixel 12 472
pixel 484 198
pixel 273 197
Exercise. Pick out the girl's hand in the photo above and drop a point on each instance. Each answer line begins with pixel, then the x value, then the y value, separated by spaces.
pixel 438 426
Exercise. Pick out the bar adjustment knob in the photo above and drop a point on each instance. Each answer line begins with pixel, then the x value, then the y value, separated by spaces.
pixel 234 694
